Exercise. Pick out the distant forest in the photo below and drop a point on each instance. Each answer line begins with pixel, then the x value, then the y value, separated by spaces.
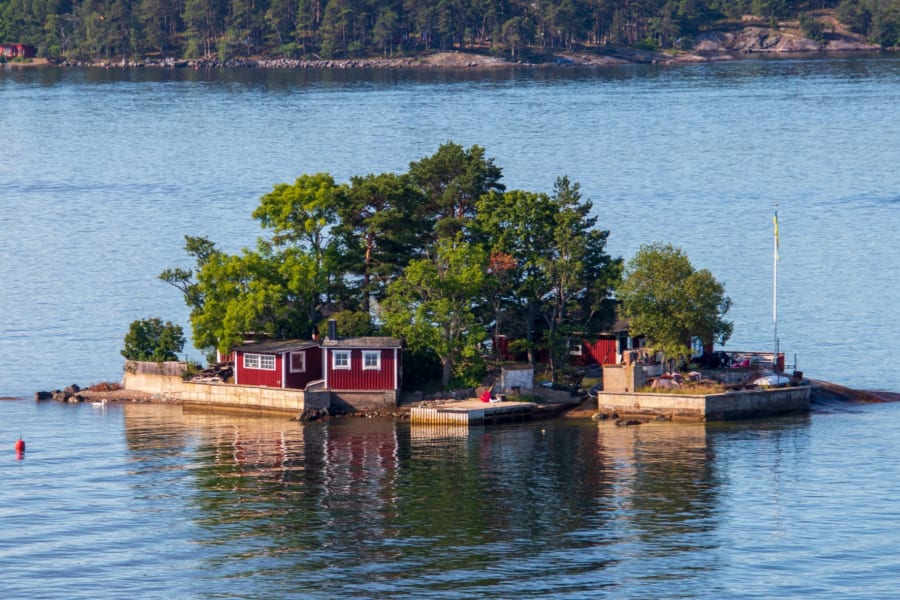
pixel 333 29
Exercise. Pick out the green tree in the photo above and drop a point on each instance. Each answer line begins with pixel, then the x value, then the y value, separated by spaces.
pixel 264 292
pixel 158 21
pixel 349 324
pixel 384 30
pixel 302 215
pixel 434 306
pixel 203 250
pixel 516 224
pixel 562 273
pixel 669 302
pixel 378 232
pixel 153 340
pixel 452 180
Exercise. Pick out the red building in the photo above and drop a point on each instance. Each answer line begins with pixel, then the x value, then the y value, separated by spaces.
pixel 17 51
pixel 278 363
pixel 362 363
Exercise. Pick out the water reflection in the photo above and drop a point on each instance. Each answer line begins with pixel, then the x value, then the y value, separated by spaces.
pixel 406 509
pixel 849 66
pixel 664 477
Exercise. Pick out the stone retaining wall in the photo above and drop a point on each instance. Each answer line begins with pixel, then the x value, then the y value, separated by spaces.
pixel 156 378
pixel 224 395
pixel 360 401
pixel 167 385
pixel 715 407
pixel 146 377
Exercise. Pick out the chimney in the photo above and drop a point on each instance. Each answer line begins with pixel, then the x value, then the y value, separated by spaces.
pixel 332 329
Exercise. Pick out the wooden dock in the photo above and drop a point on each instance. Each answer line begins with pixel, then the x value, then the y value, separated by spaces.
pixel 471 412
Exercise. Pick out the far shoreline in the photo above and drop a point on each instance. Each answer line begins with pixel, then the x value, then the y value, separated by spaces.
pixel 457 61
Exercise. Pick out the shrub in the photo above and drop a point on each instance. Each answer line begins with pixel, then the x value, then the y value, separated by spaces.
pixel 153 340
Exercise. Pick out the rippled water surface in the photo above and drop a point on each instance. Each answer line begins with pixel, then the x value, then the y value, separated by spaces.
pixel 153 501
pixel 104 172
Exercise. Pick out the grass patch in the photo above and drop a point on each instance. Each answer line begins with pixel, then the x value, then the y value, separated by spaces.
pixel 687 390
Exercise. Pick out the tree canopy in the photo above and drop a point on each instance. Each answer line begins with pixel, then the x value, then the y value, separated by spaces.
pixel 153 340
pixel 669 302
pixel 439 256
pixel 556 270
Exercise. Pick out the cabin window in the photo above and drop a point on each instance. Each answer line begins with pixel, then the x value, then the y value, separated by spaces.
pixel 298 362
pixel 264 362
pixel 575 350
pixel 340 359
pixel 372 360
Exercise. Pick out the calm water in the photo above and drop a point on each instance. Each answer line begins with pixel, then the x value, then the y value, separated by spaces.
pixel 104 172
pixel 153 502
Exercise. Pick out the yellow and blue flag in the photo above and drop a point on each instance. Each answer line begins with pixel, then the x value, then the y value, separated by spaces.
pixel 777 242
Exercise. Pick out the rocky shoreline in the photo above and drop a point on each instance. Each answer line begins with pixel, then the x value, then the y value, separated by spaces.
pixel 752 38
pixel 107 393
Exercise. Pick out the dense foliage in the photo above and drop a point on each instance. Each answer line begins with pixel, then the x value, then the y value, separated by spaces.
pixel 439 255
pixel 153 340
pixel 92 29
pixel 669 301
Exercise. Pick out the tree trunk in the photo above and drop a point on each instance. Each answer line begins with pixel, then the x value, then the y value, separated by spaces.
pixel 447 370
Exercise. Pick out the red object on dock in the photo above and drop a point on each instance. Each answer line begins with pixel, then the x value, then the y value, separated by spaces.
pixel 20 445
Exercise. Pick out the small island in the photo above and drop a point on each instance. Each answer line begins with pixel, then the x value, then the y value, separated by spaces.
pixel 436 285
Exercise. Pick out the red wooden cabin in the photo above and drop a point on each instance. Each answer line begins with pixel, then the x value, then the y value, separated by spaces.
pixel 17 51
pixel 362 363
pixel 278 363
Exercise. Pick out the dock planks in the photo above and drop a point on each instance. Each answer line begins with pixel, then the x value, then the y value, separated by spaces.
pixel 471 412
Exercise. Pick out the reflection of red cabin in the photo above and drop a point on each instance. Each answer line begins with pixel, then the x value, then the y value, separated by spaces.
pixel 278 363
pixel 17 51
pixel 362 363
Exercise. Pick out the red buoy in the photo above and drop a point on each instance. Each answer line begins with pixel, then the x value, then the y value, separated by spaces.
pixel 20 446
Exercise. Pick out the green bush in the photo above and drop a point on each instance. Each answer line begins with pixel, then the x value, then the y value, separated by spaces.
pixel 153 340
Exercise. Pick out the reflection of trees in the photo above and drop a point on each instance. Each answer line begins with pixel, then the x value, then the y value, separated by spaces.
pixel 369 491
pixel 517 490
pixel 665 477
pixel 385 502
pixel 669 477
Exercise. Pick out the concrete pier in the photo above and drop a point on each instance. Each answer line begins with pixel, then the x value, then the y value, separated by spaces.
pixel 744 404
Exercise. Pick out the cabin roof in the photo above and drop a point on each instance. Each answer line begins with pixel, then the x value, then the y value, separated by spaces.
pixel 276 346
pixel 363 342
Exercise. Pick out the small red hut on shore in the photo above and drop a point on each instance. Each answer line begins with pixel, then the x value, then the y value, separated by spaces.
pixel 278 363
pixel 362 363
pixel 17 51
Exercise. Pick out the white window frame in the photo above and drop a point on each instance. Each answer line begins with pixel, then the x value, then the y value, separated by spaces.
pixel 259 362
pixel 366 355
pixel 302 356
pixel 576 349
pixel 344 364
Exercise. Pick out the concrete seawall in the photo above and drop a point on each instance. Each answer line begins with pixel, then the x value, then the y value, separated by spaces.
pixel 223 395
pixel 165 379
pixel 729 406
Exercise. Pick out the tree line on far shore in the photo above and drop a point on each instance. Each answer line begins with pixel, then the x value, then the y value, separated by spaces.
pixel 310 29
pixel 446 258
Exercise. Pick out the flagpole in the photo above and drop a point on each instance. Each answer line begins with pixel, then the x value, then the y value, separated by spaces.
pixel 775 290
